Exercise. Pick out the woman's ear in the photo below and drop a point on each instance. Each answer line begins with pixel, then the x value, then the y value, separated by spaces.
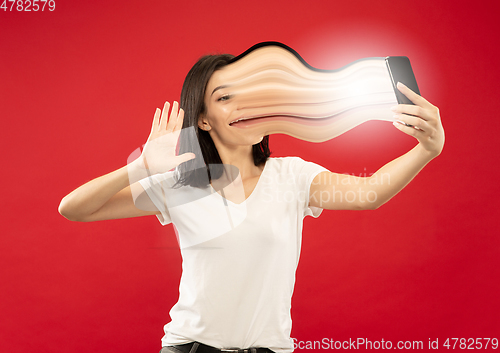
pixel 203 123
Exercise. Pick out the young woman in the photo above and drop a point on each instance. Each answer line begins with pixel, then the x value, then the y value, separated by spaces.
pixel 240 242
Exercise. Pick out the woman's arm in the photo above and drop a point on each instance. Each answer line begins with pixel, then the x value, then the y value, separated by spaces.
pixel 111 196
pixel 106 197
pixel 345 192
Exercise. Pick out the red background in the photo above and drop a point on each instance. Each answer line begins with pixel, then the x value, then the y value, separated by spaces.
pixel 78 89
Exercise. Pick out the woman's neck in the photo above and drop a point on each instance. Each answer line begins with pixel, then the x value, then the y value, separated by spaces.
pixel 242 158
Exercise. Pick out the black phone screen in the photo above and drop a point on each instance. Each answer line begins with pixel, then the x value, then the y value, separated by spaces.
pixel 400 71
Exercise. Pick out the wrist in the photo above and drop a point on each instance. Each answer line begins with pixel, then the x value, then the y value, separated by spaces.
pixel 136 170
pixel 425 153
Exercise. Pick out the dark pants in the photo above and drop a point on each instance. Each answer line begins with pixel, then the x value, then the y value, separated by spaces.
pixel 194 348
pixel 170 350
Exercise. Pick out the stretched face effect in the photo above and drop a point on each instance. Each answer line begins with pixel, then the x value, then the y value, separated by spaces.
pixel 269 90
pixel 222 111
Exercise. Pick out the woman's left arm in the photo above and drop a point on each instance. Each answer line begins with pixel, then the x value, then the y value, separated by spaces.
pixel 425 126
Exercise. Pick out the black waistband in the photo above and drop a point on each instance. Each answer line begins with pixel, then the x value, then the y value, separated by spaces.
pixel 203 348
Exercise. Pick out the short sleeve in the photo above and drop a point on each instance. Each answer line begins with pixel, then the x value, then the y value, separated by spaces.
pixel 305 173
pixel 155 187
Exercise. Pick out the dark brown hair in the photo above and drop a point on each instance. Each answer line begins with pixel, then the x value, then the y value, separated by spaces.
pixel 193 172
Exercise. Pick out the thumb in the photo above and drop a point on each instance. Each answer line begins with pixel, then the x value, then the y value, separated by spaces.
pixel 185 157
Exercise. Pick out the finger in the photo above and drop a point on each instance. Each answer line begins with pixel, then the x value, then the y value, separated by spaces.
pixel 180 120
pixel 156 120
pixel 414 110
pixel 412 121
pixel 408 130
pixel 164 116
pixel 184 157
pixel 415 98
pixel 173 117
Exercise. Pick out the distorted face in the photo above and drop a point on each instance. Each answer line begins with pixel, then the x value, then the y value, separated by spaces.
pixel 273 91
pixel 222 111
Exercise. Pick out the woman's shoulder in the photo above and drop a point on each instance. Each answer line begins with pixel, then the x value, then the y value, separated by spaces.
pixel 288 159
pixel 168 178
pixel 294 165
pixel 283 164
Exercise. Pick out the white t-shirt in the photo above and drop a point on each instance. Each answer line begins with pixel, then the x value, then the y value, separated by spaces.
pixel 239 260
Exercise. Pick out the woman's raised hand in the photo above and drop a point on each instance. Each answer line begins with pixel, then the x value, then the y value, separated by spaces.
pixel 159 153
pixel 421 121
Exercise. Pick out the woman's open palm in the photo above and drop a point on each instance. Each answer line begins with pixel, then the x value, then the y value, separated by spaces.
pixel 421 120
pixel 159 153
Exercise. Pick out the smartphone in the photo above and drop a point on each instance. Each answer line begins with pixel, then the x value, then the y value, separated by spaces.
pixel 400 71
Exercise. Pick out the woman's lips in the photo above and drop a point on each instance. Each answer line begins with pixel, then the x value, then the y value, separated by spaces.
pixel 248 122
